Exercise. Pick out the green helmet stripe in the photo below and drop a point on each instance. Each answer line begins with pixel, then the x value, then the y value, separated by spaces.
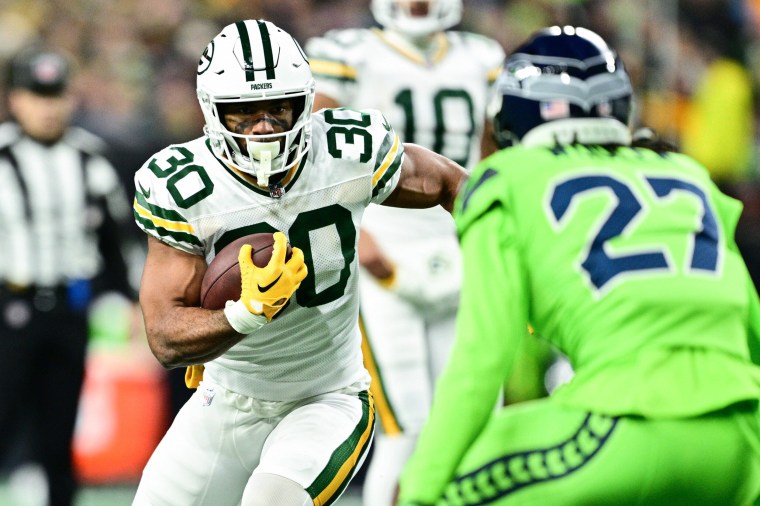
pixel 267 47
pixel 245 41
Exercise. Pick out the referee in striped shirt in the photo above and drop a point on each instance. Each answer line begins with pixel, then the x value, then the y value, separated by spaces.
pixel 62 210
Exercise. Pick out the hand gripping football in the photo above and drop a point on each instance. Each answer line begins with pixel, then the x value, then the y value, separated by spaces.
pixel 222 279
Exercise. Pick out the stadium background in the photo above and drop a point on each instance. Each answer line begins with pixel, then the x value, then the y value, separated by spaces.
pixel 695 66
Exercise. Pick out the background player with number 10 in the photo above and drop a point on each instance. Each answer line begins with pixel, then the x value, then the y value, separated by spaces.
pixel 432 84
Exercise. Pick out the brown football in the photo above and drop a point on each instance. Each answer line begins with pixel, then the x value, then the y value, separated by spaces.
pixel 222 279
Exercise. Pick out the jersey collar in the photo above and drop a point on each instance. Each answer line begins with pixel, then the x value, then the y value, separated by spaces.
pixel 250 182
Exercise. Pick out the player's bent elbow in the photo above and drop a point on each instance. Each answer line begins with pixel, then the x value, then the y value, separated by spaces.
pixel 165 357
pixel 168 357
pixel 170 362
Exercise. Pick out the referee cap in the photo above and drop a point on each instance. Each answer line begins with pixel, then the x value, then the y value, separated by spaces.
pixel 41 71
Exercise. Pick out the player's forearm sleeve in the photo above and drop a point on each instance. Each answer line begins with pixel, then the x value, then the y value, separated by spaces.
pixel 491 320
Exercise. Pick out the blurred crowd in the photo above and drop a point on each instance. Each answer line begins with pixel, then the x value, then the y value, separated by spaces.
pixel 696 63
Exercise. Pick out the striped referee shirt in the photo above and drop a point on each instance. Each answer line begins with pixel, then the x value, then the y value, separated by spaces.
pixel 59 211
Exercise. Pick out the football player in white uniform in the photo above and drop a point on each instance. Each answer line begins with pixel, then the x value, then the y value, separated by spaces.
pixel 282 415
pixel 432 84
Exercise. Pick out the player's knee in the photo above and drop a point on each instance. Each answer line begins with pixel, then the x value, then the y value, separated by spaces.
pixel 272 490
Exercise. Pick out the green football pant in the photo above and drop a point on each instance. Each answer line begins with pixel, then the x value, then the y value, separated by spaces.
pixel 541 453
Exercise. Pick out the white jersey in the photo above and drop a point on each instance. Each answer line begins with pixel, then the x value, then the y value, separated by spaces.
pixel 437 100
pixel 191 200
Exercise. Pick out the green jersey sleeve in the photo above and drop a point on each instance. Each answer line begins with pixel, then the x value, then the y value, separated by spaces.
pixel 486 341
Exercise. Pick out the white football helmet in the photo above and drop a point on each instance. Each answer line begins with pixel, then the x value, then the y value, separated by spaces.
pixel 254 60
pixel 397 15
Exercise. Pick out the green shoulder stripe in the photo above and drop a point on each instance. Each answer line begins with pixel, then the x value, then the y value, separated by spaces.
pixel 385 148
pixel 389 160
pixel 160 212
pixel 166 222
pixel 333 70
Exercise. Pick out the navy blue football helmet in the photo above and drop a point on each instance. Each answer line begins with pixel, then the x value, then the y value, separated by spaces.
pixel 563 85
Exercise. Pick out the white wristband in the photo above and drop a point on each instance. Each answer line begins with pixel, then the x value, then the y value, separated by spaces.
pixel 242 320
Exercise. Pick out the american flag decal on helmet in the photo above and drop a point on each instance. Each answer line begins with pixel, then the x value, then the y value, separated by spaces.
pixel 555 109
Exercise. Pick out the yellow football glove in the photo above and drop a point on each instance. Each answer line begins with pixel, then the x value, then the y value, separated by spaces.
pixel 194 375
pixel 266 290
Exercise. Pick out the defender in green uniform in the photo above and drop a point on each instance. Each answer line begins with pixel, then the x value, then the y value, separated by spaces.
pixel 624 258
